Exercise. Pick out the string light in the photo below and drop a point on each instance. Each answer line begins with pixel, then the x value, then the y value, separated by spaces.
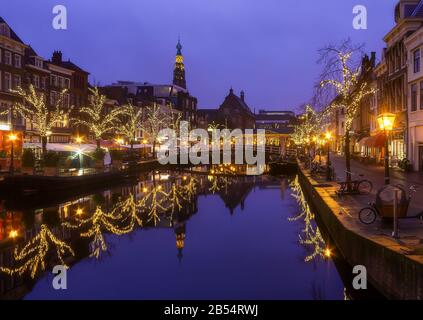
pixel 34 107
pixel 32 257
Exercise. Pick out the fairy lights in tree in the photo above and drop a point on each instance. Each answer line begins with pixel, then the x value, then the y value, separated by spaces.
pixel 156 118
pixel 96 118
pixel 32 258
pixel 348 80
pixel 309 127
pixel 130 122
pixel 33 106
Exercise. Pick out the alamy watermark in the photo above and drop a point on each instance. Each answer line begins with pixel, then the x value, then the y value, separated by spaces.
pixel 196 147
pixel 360 19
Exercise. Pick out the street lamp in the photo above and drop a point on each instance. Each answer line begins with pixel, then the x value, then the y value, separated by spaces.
pixel 328 137
pixel 12 139
pixel 386 124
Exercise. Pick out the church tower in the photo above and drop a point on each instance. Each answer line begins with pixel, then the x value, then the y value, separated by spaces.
pixel 179 70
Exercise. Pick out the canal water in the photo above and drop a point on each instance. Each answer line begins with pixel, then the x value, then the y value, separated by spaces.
pixel 172 236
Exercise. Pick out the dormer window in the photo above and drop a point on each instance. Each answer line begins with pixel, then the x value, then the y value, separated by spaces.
pixel 4 30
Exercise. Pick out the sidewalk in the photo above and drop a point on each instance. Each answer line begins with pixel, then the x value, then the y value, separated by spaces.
pixel 376 175
pixel 410 230
pixel 394 265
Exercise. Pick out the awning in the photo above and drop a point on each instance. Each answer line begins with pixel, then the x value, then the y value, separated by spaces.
pixel 376 141
pixel 64 147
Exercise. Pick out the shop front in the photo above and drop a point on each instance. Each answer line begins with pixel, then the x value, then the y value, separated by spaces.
pixel 10 141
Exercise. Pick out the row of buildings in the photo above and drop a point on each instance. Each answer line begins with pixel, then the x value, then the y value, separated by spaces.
pixel 398 81
pixel 21 66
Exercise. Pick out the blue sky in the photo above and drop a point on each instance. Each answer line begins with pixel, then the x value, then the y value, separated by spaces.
pixel 267 48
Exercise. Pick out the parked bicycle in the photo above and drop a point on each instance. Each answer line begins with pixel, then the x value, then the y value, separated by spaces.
pixel 357 186
pixel 384 205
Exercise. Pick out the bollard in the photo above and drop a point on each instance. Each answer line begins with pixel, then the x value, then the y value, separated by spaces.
pixel 395 234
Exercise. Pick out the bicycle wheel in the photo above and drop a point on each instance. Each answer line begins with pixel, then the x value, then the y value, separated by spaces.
pixel 365 187
pixel 367 215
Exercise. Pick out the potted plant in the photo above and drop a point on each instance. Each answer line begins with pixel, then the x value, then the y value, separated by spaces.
pixel 50 163
pixel 117 159
pixel 98 156
pixel 28 161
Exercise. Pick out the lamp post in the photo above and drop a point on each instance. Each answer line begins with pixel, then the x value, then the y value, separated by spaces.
pixel 12 139
pixel 386 124
pixel 79 140
pixel 328 137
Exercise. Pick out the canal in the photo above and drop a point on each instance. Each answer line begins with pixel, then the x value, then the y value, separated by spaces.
pixel 173 235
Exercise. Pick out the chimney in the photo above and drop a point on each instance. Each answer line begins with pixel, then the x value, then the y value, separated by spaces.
pixel 243 96
pixel 373 59
pixel 57 57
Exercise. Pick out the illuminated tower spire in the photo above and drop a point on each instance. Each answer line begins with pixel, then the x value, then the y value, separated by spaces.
pixel 179 70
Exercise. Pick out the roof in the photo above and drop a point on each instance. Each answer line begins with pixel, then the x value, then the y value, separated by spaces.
pixel 13 35
pixel 418 10
pixel 239 101
pixel 210 114
pixel 275 117
pixel 68 65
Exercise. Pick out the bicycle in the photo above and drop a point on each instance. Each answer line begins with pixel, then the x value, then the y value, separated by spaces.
pixel 359 186
pixel 368 215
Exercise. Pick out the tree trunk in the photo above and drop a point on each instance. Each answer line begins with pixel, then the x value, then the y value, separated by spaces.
pixel 44 145
pixel 154 148
pixel 98 143
pixel 348 159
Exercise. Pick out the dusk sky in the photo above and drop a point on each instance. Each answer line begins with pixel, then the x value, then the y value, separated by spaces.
pixel 267 48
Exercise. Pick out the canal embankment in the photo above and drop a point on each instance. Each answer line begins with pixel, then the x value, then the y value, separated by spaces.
pixel 394 266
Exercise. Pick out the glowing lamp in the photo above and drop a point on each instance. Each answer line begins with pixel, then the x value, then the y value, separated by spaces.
pixel 328 135
pixel 13 137
pixel 386 121
pixel 78 140
pixel 13 234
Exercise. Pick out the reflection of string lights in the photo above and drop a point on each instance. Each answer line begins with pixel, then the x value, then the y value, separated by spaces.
pixel 33 254
pixel 99 221
pixel 310 235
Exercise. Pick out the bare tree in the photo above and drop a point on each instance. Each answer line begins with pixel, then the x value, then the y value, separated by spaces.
pixel 343 74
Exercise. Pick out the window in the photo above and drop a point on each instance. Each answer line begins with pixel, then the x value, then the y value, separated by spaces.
pixel 53 80
pixel 421 95
pixel 60 81
pixel 36 81
pixel 416 59
pixel 52 98
pixel 43 82
pixel 1 55
pixel 38 63
pixel 67 83
pixel 414 97
pixel 17 62
pixel 8 58
pixel 7 81
pixel 16 81
pixel 4 30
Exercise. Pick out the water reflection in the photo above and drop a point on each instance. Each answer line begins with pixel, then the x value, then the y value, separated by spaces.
pixel 220 241
pixel 310 236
